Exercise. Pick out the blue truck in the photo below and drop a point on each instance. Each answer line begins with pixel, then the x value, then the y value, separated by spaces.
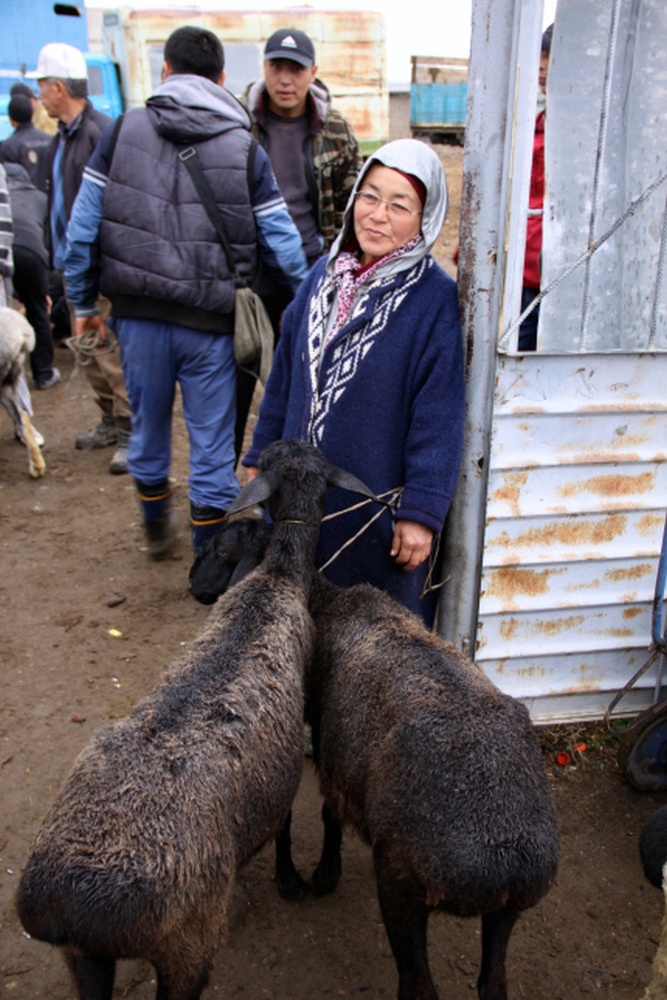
pixel 29 24
pixel 438 97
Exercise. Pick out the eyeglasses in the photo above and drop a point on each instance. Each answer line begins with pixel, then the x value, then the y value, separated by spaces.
pixel 395 210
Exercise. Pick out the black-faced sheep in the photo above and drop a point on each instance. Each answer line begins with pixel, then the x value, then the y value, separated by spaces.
pixel 138 856
pixel 440 772
pixel 17 339
pixel 236 549
pixel 653 852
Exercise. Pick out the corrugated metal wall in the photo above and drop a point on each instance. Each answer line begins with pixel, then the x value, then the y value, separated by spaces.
pixel 552 545
pixel 574 523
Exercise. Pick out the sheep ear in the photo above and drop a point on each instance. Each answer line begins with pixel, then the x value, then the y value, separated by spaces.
pixel 346 481
pixel 257 491
pixel 246 564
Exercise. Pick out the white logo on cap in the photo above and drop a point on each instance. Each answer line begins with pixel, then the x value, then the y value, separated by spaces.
pixel 289 42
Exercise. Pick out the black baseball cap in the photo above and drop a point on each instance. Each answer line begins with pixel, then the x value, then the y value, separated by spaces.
pixel 290 43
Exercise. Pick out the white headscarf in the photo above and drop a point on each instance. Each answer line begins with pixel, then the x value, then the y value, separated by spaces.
pixel 412 157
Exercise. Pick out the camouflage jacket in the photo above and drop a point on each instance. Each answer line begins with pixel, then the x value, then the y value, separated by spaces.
pixel 332 154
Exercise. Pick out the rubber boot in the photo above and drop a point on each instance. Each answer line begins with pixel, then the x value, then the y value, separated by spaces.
pixel 159 524
pixel 205 523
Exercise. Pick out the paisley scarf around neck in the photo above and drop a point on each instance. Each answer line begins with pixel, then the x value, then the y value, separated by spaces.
pixel 349 273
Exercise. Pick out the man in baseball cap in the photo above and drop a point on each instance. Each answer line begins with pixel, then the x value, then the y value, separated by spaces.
pixel 59 60
pixel 40 117
pixel 290 43
pixel 315 157
pixel 62 76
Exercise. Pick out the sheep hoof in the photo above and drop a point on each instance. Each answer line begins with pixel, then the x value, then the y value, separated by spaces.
pixel 292 886
pixel 31 438
pixel 325 879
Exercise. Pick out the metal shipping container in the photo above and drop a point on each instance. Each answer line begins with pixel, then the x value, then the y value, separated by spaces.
pixel 438 98
pixel 350 48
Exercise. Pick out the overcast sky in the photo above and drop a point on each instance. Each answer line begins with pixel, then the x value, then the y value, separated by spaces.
pixel 413 27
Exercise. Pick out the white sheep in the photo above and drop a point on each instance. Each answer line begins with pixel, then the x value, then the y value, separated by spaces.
pixel 17 340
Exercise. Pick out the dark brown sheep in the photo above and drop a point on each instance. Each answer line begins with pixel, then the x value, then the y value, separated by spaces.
pixel 438 769
pixel 138 856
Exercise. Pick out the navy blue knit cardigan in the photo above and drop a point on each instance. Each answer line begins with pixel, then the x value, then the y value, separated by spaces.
pixel 398 421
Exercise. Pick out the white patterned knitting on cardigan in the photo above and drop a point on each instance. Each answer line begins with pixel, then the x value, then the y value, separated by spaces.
pixel 331 373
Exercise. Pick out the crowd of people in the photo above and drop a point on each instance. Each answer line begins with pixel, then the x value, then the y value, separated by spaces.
pixel 368 362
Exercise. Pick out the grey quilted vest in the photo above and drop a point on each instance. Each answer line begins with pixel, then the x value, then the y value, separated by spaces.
pixel 160 256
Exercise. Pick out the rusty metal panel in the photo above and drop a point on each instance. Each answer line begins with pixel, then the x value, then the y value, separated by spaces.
pixel 576 503
pixel 350 48
pixel 552 543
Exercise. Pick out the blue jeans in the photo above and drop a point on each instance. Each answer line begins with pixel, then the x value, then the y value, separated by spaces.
pixel 155 356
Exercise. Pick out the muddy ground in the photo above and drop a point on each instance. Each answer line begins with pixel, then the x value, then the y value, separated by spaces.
pixel 88 626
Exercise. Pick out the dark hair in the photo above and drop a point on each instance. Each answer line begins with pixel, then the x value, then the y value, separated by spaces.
pixel 21 90
pixel 546 38
pixel 20 109
pixel 195 50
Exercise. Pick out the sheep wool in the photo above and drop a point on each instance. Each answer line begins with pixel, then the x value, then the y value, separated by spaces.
pixel 139 854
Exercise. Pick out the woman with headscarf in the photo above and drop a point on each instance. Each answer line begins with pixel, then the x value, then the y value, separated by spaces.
pixel 369 368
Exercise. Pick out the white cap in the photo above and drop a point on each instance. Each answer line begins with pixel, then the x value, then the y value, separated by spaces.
pixel 61 61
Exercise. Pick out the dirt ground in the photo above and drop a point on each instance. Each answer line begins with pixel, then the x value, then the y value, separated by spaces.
pixel 89 625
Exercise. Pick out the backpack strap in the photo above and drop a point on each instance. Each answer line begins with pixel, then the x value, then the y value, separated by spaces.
pixel 191 161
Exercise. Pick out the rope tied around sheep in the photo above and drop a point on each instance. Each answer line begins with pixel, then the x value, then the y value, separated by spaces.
pixel 392 505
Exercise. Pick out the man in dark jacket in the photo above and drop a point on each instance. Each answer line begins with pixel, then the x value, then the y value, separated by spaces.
pixel 40 116
pixel 315 157
pixel 27 145
pixel 63 88
pixel 31 269
pixel 140 233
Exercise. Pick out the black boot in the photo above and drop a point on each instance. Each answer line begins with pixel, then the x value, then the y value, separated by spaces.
pixel 205 523
pixel 159 523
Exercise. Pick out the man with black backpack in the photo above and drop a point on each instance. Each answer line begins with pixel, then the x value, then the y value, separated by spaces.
pixel 140 234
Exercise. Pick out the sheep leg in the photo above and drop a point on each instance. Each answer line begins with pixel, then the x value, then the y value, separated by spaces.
pixel 93 974
pixel 327 874
pixel 182 984
pixel 496 931
pixel 405 915
pixel 36 462
pixel 289 882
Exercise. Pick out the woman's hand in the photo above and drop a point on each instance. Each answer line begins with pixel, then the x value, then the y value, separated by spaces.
pixel 251 472
pixel 411 544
